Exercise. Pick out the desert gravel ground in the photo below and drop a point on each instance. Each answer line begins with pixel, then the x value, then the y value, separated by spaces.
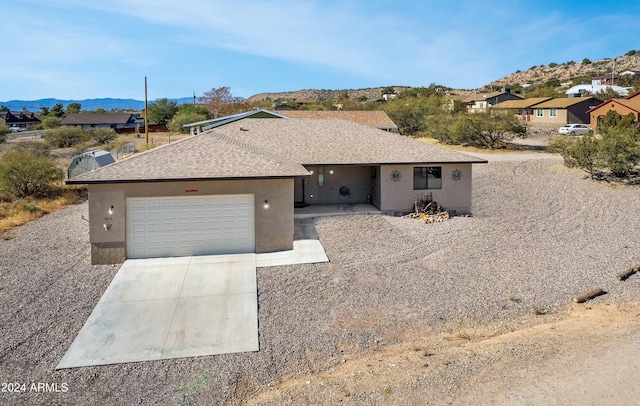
pixel 427 299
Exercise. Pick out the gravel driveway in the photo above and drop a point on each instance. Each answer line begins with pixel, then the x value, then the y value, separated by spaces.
pixel 540 234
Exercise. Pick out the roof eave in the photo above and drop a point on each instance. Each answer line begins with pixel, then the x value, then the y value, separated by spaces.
pixel 71 181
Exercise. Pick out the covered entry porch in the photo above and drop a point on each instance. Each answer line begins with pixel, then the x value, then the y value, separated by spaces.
pixel 338 185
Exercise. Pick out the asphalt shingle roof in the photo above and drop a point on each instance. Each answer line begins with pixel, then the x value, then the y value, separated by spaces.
pixel 561 102
pixel 256 148
pixel 520 104
pixel 331 141
pixel 371 118
pixel 201 157
pixel 92 119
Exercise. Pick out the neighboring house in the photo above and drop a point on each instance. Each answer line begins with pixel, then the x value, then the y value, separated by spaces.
pixel 199 126
pixel 626 106
pixel 612 79
pixel 105 120
pixel 372 118
pixel 523 108
pixel 233 189
pixel 593 88
pixel 565 110
pixel 479 103
pixel 89 161
pixel 22 119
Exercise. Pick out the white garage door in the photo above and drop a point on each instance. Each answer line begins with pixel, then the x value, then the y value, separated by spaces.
pixel 193 225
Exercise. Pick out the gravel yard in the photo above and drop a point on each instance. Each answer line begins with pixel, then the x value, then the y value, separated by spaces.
pixel 540 233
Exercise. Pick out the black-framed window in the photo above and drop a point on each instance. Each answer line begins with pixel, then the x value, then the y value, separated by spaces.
pixel 427 177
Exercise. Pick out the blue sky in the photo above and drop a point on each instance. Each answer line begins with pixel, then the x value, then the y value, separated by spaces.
pixel 77 49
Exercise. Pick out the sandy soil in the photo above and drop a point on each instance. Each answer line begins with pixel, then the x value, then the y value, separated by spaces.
pixel 590 357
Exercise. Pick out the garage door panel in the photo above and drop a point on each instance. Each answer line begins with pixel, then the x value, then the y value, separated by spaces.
pixel 194 225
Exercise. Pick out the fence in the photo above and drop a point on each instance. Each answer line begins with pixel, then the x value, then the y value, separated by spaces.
pixel 123 151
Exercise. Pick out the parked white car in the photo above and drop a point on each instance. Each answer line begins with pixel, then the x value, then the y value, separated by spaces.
pixel 574 129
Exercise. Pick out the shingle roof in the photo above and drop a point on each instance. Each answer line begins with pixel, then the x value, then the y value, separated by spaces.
pixel 632 104
pixel 259 148
pixel 96 118
pixel 520 104
pixel 371 118
pixel 201 157
pixel 486 96
pixel 563 102
pixel 342 142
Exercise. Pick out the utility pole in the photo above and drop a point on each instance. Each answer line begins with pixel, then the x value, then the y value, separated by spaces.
pixel 146 112
pixel 194 99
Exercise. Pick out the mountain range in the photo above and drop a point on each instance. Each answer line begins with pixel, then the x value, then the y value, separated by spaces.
pixel 87 104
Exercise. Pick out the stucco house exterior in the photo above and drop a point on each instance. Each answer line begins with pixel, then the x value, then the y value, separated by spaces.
pixel 480 103
pixel 233 188
pixel 561 111
pixel 523 108
pixel 626 106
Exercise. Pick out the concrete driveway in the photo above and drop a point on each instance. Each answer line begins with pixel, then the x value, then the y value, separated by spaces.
pixel 163 308
pixel 171 308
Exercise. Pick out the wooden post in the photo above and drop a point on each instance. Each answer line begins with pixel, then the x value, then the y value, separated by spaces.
pixel 146 112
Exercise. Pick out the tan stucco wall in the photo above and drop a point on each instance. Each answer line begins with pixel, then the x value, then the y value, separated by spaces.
pixel 400 196
pixel 560 119
pixel 273 226
pixel 603 110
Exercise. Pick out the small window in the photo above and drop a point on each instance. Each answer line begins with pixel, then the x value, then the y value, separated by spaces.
pixel 321 176
pixel 553 113
pixel 539 113
pixel 427 177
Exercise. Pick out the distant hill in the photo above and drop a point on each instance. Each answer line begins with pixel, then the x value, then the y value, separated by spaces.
pixel 87 104
pixel 322 94
pixel 568 71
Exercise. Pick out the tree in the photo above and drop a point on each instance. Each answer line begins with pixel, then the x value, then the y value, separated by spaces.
pixel 607 94
pixel 73 108
pixel 51 122
pixel 488 130
pixel 410 108
pixel 44 111
pixel 162 111
pixel 28 172
pixel 220 102
pixel 57 110
pixel 4 108
pixel 185 117
pixel 620 143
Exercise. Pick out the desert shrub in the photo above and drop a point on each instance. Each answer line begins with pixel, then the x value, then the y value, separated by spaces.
pixel 65 137
pixel 4 130
pixel 486 130
pixel 28 172
pixel 50 122
pixel 103 135
pixel 577 152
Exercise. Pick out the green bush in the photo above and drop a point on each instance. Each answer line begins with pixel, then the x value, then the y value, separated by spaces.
pixel 185 117
pixel 51 122
pixel 578 152
pixel 4 130
pixel 486 130
pixel 27 172
pixel 65 137
pixel 103 135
